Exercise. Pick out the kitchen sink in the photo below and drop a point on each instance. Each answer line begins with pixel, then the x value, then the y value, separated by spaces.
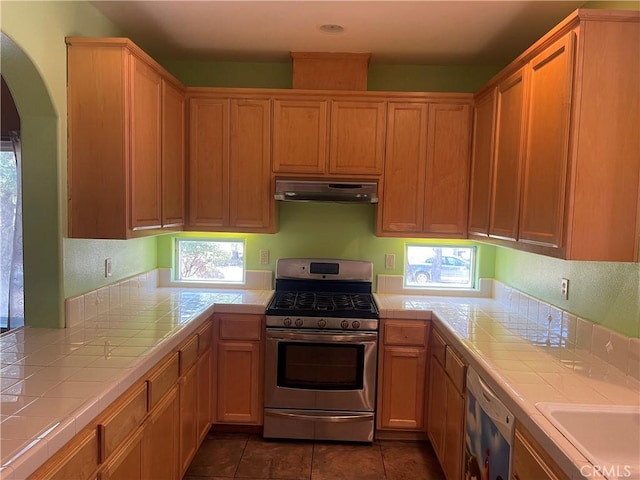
pixel 607 435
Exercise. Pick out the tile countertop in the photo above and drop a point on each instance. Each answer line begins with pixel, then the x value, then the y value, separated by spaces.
pixel 53 382
pixel 522 362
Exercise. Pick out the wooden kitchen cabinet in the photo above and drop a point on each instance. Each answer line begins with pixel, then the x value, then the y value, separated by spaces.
pixel 357 133
pixel 204 374
pixel 238 369
pixel 121 141
pixel 402 375
pixel 482 162
pixel 300 135
pixel 188 391
pixel 446 405
pixel 230 164
pixel 505 200
pixel 566 166
pixel 161 441
pixel 530 461
pixel 127 461
pixel 78 460
pixel 426 170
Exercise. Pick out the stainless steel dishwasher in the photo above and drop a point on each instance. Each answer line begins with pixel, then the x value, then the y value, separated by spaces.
pixel 489 428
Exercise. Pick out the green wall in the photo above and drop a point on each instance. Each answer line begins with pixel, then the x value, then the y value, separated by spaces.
pixel 328 231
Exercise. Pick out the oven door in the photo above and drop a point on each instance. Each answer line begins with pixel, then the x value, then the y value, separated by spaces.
pixel 320 370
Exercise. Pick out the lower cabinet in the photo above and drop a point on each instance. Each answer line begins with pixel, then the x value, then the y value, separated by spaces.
pixel 530 461
pixel 402 376
pixel 153 430
pixel 238 369
pixel 446 406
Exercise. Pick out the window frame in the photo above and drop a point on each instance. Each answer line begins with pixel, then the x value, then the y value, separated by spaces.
pixel 222 281
pixel 452 285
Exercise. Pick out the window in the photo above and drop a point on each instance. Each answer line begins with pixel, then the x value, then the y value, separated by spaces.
pixel 210 260
pixel 439 266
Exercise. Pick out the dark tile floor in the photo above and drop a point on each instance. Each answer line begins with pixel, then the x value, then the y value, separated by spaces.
pixel 224 456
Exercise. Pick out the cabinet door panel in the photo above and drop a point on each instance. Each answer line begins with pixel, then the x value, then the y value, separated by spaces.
pixel 300 136
pixel 251 202
pixel 505 203
pixel 547 147
pixel 161 439
pixel 454 433
pixel 357 137
pixel 239 383
pixel 404 171
pixel 188 405
pixel 437 407
pixel 146 182
pixel 482 163
pixel 204 395
pixel 403 388
pixel 127 461
pixel 448 144
pixel 208 162
pixel 173 158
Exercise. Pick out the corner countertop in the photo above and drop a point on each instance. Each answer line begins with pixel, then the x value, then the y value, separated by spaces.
pixel 54 382
pixel 524 360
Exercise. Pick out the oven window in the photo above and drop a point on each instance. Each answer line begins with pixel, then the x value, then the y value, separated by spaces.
pixel 320 366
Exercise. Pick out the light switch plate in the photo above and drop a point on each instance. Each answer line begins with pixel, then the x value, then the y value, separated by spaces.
pixel 389 261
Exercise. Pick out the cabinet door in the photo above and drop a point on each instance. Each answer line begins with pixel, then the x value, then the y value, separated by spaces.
pixel 300 136
pixel 402 206
pixel 437 407
pixel 357 137
pixel 208 162
pixel 401 402
pixel 547 145
pixel 204 395
pixel 173 158
pixel 188 411
pixel 505 202
pixel 531 462
pixel 251 201
pixel 448 144
pixel 161 439
pixel 126 462
pixel 238 387
pixel 482 163
pixel 145 181
pixel 454 432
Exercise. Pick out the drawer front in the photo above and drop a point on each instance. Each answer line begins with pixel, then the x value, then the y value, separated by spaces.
pixel 125 417
pixel 161 381
pixel 188 354
pixel 240 327
pixel 438 347
pixel 455 368
pixel 205 337
pixel 77 461
pixel 405 333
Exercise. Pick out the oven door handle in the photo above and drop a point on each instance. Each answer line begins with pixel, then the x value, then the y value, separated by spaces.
pixel 328 418
pixel 314 337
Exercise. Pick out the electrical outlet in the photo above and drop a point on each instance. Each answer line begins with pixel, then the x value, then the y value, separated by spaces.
pixel 107 267
pixel 389 261
pixel 564 288
pixel 264 257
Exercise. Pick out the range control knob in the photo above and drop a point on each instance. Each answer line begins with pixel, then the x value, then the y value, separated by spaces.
pixel 355 324
pixel 299 322
pixel 322 323
pixel 287 322
pixel 344 324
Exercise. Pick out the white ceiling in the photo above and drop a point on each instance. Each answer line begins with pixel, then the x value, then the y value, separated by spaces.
pixel 454 32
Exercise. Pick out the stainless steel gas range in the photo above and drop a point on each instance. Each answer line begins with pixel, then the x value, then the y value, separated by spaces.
pixel 321 351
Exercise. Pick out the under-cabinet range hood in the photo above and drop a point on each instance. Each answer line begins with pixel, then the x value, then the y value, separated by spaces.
pixel 326 191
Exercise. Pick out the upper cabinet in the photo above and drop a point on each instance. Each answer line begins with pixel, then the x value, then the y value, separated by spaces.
pixel 335 136
pixel 230 164
pixel 426 169
pixel 125 143
pixel 557 149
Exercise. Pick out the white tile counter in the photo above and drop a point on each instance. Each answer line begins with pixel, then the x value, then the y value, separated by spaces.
pixel 55 381
pixel 531 356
